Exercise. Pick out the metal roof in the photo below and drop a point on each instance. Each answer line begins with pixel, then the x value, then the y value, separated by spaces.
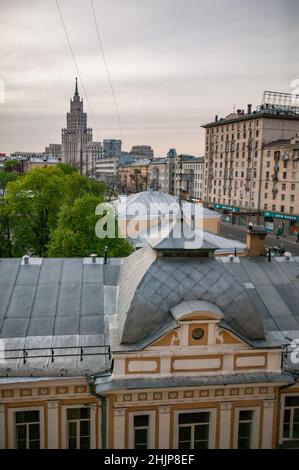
pixel 106 384
pixel 259 300
pixel 57 303
pixel 153 203
pixel 176 234
pixel 71 303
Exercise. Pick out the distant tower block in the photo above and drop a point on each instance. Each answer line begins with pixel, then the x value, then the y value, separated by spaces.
pixel 76 134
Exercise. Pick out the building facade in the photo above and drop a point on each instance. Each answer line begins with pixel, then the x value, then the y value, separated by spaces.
pixel 54 150
pixel 142 152
pixel 280 186
pixel 111 148
pixel 189 177
pixel 235 152
pixel 106 169
pixel 133 177
pixel 188 353
pixel 33 163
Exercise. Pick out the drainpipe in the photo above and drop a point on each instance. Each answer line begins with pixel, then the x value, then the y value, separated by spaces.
pixel 103 401
pixel 281 389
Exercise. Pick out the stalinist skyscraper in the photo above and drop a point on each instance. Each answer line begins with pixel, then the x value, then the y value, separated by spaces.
pixel 76 135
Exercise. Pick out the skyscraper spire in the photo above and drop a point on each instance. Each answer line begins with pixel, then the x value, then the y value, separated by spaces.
pixel 76 88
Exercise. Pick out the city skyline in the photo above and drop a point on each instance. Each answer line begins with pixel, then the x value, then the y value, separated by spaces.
pixel 164 94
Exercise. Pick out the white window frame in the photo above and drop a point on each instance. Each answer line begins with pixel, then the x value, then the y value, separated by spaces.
pixel 282 410
pixel 255 434
pixel 12 435
pixel 64 424
pixel 212 425
pixel 151 427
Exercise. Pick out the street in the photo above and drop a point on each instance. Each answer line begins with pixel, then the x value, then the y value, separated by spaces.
pixel 236 232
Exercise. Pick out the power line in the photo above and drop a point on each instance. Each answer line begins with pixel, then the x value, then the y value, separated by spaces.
pixel 76 64
pixel 106 67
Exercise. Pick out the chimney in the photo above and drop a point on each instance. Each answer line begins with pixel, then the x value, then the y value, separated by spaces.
pixel 256 241
pixel 216 118
pixel 26 259
pixel 249 108
pixel 93 258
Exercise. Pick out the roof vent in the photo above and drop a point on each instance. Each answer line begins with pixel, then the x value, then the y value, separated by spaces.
pixel 288 256
pixel 93 257
pixel 26 259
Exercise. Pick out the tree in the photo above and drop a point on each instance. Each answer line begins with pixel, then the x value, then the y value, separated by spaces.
pixel 6 178
pixel 75 233
pixel 6 245
pixel 12 165
pixel 34 201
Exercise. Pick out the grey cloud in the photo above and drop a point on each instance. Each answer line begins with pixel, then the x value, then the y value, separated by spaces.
pixel 174 65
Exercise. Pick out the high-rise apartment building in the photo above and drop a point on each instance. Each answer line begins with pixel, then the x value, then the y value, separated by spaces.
pixel 235 152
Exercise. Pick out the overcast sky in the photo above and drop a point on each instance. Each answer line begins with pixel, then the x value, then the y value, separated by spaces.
pixel 174 64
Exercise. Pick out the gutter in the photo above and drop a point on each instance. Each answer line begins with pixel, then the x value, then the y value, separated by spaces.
pixel 103 400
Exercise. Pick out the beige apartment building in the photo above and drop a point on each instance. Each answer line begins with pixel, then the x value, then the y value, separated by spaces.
pixel 235 149
pixel 133 177
pixel 181 176
pixel 189 172
pixel 162 175
pixel 280 186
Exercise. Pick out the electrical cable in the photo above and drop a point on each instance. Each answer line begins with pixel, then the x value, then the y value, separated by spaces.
pixel 107 69
pixel 76 64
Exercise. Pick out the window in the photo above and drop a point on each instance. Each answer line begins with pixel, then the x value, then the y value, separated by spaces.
pixel 245 429
pixel 283 197
pixel 292 198
pixel 293 186
pixel 284 175
pixel 194 430
pixel 78 428
pixel 141 431
pixel 27 429
pixel 291 418
pixel 281 208
pixel 283 187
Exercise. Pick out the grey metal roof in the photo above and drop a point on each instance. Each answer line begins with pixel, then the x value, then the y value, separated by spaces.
pixel 259 300
pixel 106 384
pixel 153 203
pixel 56 303
pixel 72 302
pixel 177 235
